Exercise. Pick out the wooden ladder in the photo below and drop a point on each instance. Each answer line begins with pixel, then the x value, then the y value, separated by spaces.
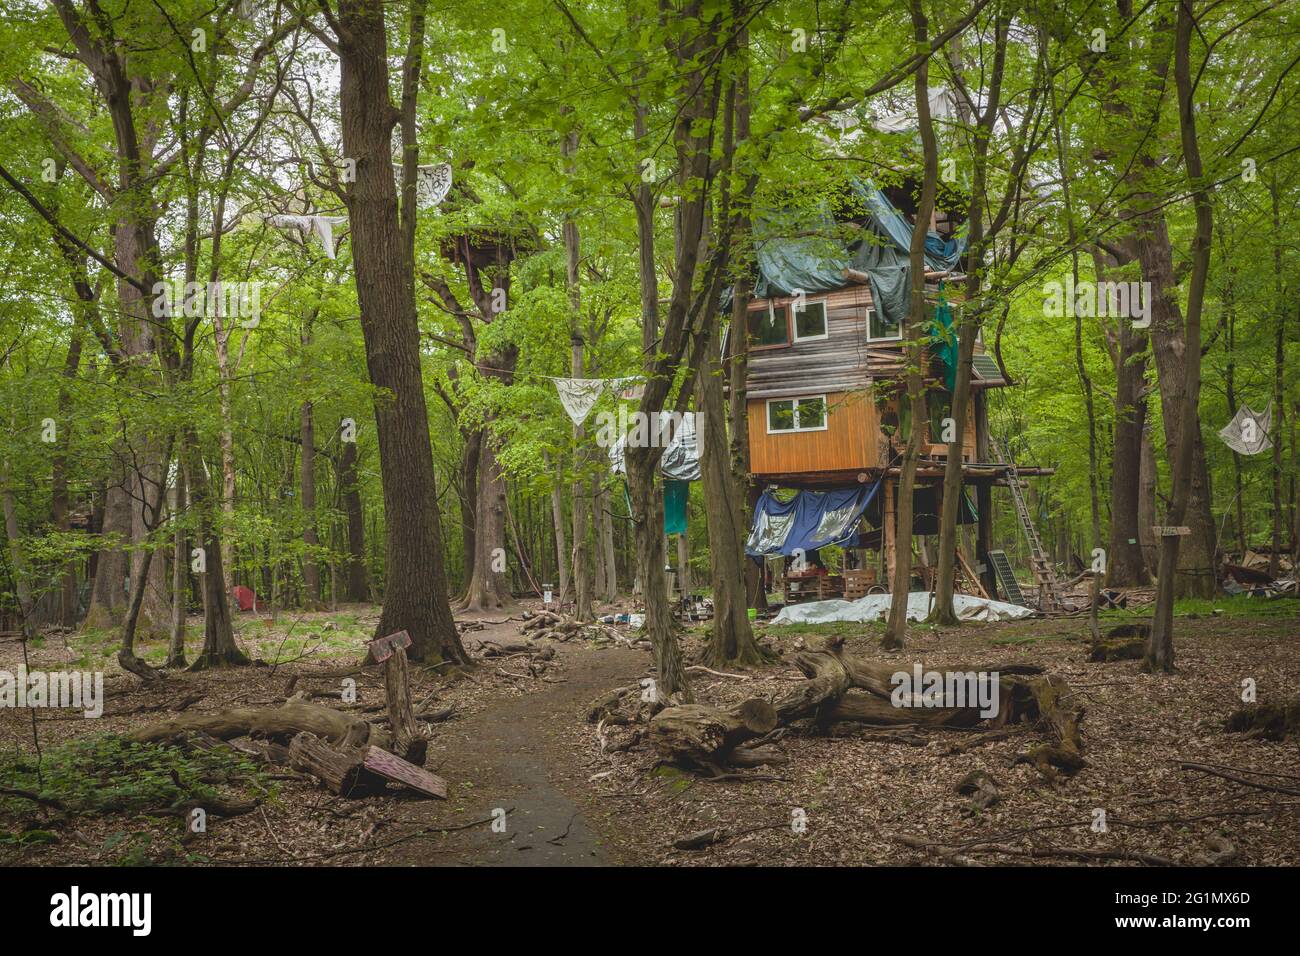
pixel 1049 588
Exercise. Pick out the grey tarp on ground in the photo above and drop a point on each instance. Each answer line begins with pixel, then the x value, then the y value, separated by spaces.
pixel 875 607
pixel 681 459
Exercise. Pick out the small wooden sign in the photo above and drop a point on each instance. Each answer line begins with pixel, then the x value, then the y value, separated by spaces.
pixel 382 648
pixel 1171 531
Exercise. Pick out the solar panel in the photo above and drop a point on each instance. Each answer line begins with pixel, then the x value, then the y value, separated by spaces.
pixel 986 368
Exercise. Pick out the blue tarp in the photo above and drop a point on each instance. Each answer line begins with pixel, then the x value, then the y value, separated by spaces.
pixel 809 520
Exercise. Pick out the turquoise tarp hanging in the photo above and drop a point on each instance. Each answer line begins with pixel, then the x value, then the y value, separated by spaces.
pixel 943 340
pixel 676 495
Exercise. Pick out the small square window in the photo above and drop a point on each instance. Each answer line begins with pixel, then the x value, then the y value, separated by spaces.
pixel 780 416
pixel 810 321
pixel 810 413
pixel 769 327
pixel 879 329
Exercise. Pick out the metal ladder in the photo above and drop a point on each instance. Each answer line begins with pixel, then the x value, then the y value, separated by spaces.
pixel 1049 587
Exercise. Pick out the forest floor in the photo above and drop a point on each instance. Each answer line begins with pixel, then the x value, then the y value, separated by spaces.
pixel 522 745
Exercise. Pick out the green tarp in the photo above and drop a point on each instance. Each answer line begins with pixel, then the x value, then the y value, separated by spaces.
pixel 811 252
pixel 676 495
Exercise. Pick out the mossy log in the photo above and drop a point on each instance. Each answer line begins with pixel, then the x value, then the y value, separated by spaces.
pixel 281 724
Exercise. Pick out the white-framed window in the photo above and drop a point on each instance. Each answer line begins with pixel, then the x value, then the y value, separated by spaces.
pixel 769 327
pixel 879 330
pixel 807 414
pixel 810 321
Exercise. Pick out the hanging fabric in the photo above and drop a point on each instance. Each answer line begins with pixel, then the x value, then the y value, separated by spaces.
pixel 681 457
pixel 676 495
pixel 432 183
pixel 579 396
pixel 299 228
pixel 1247 433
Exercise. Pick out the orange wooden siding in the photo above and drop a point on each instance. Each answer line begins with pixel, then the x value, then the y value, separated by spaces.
pixel 850 440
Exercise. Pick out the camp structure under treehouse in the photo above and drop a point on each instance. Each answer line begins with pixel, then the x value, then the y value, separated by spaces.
pixel 828 413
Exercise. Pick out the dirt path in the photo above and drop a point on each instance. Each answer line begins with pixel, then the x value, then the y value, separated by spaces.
pixel 515 755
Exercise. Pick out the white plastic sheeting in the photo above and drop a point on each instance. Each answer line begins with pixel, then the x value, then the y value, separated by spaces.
pixel 299 228
pixel 875 607
pixel 1247 433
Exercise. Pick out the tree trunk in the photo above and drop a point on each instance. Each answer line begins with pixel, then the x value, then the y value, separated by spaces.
pixel 489 586
pixel 356 586
pixel 731 639
pixel 1160 646
pixel 219 647
pixel 561 547
pixel 310 539
pixel 902 578
pixel 180 579
pixel 605 535
pixel 415 598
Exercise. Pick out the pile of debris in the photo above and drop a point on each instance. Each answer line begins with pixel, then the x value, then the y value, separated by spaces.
pixel 562 627
pixel 1251 574
pixel 346 753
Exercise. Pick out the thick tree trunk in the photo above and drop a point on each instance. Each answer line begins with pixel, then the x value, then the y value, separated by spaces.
pixel 489 585
pixel 356 586
pixel 219 647
pixel 1160 645
pixel 415 598
pixel 902 577
pixel 731 639
pixel 310 539
pixel 1126 565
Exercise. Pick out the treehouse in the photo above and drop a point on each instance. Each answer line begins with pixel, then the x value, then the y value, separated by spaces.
pixel 827 407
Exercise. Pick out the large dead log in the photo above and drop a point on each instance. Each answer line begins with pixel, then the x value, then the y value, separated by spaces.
pixel 704 735
pixel 276 723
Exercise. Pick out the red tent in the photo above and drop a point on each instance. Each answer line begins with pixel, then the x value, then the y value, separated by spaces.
pixel 244 597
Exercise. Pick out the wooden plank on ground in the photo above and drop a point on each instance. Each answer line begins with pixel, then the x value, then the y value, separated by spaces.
pixel 394 768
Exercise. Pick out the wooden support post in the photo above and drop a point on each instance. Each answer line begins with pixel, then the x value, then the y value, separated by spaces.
pixel 408 742
pixel 890 522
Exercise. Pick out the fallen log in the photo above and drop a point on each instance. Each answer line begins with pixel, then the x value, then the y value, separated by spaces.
pixel 281 724
pixel 341 772
pixel 706 736
pixel 360 773
pixel 703 735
